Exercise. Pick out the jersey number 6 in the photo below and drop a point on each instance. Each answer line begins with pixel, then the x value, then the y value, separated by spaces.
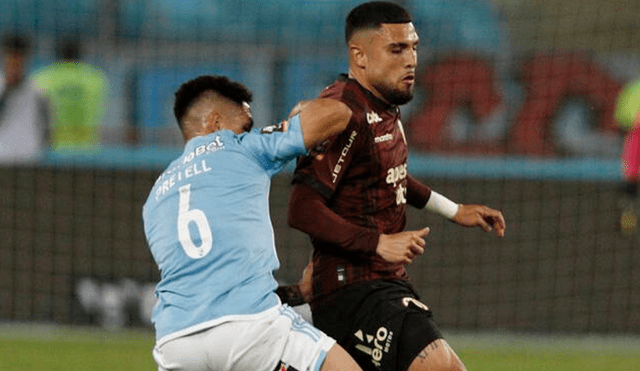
pixel 186 216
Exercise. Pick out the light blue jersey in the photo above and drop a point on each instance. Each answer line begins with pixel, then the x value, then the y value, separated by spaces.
pixel 208 226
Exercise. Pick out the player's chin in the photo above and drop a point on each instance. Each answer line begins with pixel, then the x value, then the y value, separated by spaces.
pixel 402 96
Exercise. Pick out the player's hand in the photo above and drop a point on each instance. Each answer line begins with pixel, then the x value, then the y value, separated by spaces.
pixel 305 283
pixel 402 247
pixel 481 216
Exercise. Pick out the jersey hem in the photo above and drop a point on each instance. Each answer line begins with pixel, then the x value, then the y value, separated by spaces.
pixel 215 322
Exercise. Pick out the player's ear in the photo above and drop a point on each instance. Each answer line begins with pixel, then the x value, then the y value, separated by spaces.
pixel 357 55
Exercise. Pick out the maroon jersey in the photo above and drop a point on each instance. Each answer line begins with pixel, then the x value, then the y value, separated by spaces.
pixel 362 175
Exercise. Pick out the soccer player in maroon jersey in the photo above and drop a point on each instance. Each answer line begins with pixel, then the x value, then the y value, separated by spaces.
pixel 350 197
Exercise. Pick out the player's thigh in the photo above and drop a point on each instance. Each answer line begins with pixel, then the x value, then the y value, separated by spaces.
pixel 279 340
pixel 383 332
pixel 306 348
pixel 191 352
pixel 437 356
pixel 339 360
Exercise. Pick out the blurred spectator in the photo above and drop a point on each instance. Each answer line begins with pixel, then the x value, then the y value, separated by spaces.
pixel 23 111
pixel 628 120
pixel 77 93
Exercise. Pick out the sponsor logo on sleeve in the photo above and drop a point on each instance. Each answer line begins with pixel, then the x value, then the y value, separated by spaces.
pixel 343 155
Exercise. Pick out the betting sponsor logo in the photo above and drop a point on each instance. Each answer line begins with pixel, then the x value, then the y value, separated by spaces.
pixel 343 155
pixel 375 346
pixel 373 118
pixel 395 176
pixel 215 145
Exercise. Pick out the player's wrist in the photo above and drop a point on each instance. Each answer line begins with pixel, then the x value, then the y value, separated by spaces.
pixel 441 205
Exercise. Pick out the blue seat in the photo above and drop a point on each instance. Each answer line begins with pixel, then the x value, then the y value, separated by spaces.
pixel 179 20
pixel 55 17
pixel 306 76
pixel 458 25
pixel 306 22
pixel 156 87
pixel 277 21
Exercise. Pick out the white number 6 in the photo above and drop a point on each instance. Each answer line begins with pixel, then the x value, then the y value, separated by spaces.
pixel 186 216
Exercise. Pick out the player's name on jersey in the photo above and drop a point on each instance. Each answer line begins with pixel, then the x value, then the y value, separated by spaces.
pixel 186 169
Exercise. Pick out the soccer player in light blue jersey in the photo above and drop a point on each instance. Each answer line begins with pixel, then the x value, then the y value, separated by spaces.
pixel 207 224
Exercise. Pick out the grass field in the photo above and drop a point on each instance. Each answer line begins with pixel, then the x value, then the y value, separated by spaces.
pixel 53 348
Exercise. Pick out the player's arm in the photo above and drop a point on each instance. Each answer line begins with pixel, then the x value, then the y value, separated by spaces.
pixel 422 196
pixel 320 119
pixel 309 213
pixel 299 293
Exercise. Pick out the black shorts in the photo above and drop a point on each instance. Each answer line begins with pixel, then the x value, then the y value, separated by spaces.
pixel 382 324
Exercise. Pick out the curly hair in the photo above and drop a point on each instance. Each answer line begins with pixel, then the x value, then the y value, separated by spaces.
pixel 190 91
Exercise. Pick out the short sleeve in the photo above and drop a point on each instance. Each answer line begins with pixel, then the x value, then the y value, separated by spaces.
pixel 275 148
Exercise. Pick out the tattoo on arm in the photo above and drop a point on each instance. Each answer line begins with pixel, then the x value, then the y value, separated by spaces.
pixel 428 349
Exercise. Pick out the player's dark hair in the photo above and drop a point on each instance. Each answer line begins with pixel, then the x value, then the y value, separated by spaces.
pixel 16 43
pixel 372 15
pixel 191 90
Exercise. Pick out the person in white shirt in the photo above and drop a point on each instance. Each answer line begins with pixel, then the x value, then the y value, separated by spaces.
pixel 23 110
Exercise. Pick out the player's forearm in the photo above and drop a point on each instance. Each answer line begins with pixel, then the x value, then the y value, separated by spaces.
pixel 417 193
pixel 308 213
pixel 422 196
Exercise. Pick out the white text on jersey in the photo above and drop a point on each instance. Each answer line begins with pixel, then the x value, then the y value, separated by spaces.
pixel 383 138
pixel 192 170
pixel 215 145
pixel 396 175
pixel 343 154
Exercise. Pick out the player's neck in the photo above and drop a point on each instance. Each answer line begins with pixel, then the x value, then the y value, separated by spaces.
pixel 365 84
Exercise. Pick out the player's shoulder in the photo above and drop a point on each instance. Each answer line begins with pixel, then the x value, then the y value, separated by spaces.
pixel 343 89
pixel 335 89
pixel 348 92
